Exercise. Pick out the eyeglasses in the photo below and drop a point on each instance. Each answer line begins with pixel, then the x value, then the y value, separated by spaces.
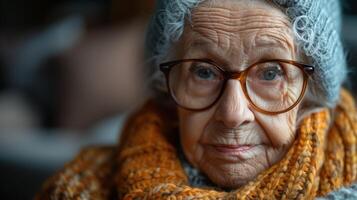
pixel 271 86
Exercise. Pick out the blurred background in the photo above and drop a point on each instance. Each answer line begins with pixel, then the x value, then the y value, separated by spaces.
pixel 70 71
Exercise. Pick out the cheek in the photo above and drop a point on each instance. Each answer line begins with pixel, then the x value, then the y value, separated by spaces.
pixel 280 129
pixel 192 129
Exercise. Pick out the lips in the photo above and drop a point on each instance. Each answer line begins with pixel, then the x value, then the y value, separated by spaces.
pixel 233 148
pixel 234 152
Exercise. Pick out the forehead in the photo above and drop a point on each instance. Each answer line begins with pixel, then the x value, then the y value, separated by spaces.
pixel 238 25
pixel 242 14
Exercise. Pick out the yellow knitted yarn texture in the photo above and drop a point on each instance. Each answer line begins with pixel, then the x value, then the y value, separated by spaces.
pixel 323 158
pixel 317 163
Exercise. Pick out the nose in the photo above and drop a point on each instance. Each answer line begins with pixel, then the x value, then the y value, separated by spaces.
pixel 233 108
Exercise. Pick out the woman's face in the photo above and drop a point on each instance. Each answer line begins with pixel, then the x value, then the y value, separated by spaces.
pixel 231 142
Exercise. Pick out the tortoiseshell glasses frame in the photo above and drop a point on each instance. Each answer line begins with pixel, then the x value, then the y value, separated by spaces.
pixel 242 77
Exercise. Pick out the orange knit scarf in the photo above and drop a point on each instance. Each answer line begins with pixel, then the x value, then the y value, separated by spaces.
pixel 322 158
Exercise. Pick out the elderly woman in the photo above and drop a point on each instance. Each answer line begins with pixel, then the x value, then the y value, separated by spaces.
pixel 247 104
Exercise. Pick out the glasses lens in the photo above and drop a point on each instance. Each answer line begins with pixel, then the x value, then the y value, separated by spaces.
pixel 195 84
pixel 274 86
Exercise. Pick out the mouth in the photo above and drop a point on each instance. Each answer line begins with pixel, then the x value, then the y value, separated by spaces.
pixel 233 148
pixel 235 152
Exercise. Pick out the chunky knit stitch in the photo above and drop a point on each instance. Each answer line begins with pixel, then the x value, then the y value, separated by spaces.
pixel 147 166
pixel 88 176
pixel 316 24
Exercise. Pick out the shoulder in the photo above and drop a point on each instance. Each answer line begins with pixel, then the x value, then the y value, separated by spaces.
pixel 87 176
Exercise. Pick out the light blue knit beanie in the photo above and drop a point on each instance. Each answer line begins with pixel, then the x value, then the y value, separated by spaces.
pixel 316 24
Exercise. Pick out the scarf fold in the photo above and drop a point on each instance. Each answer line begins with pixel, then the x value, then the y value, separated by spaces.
pixel 323 158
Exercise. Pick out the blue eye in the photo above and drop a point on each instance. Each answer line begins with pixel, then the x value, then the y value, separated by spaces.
pixel 204 73
pixel 271 73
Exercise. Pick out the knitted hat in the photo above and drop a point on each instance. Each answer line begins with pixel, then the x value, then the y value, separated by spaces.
pixel 316 25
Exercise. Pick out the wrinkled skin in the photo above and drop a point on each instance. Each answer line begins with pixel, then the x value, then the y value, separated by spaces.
pixel 236 33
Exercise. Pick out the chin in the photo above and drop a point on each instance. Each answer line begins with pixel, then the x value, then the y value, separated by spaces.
pixel 233 175
pixel 231 180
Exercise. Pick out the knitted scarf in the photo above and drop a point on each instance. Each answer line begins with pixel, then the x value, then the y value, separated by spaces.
pixel 147 164
pixel 322 158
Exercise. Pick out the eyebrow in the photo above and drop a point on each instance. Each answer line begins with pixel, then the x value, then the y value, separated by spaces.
pixel 202 43
pixel 268 39
pixel 209 48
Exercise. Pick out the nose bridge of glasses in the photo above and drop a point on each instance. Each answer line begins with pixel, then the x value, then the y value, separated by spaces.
pixel 234 75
